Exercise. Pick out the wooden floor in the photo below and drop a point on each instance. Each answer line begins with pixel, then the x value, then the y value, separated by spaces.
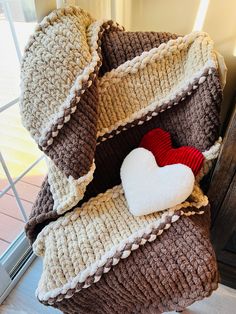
pixel 11 219
pixel 17 147
pixel 19 152
pixel 22 299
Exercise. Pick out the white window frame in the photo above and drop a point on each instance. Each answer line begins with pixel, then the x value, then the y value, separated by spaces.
pixel 19 255
pixel 14 263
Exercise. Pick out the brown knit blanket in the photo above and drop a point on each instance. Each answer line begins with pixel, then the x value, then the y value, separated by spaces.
pixel 90 91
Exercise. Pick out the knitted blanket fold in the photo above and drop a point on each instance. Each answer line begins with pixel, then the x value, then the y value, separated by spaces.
pixel 90 91
pixel 79 247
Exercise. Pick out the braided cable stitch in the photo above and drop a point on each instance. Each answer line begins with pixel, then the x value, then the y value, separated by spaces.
pixel 123 119
pixel 84 83
pixel 73 28
pixel 172 47
pixel 92 275
pixel 192 58
pixel 115 111
pixel 101 231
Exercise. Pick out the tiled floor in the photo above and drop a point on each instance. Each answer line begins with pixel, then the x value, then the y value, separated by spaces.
pixel 22 299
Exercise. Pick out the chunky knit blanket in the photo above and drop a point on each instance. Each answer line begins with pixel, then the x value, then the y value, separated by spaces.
pixel 90 91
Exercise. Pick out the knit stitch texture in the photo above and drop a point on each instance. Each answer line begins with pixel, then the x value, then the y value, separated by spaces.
pixel 97 90
pixel 81 244
pixel 168 274
pixel 159 143
pixel 193 120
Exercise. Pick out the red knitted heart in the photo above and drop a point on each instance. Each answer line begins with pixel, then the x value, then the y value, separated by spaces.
pixel 159 143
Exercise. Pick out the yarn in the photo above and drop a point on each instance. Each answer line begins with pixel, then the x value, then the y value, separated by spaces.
pixel 171 267
pixel 150 188
pixel 81 244
pixel 96 91
pixel 159 143
pixel 193 121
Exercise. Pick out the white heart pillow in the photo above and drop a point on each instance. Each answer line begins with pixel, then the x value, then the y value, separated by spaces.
pixel 149 188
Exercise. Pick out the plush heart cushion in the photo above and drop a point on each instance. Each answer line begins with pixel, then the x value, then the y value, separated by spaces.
pixel 159 143
pixel 149 188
